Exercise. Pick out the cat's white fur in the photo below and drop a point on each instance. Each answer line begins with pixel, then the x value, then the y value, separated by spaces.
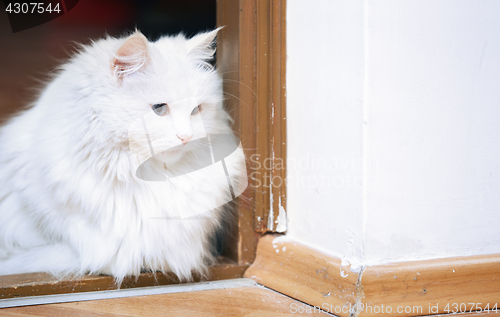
pixel 70 202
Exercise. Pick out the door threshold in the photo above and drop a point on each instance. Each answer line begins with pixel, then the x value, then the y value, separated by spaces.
pixel 128 292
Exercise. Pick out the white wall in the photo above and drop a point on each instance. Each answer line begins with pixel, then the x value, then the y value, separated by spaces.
pixel 325 133
pixel 411 89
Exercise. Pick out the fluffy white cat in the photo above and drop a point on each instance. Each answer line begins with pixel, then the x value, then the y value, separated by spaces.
pixel 71 201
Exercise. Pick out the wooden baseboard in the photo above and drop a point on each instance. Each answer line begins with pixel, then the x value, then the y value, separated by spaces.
pixel 438 286
pixel 304 274
pixel 400 289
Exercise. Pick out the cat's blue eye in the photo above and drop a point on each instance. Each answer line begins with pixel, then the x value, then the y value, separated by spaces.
pixel 196 110
pixel 160 109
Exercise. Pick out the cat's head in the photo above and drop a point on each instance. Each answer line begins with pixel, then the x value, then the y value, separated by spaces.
pixel 167 85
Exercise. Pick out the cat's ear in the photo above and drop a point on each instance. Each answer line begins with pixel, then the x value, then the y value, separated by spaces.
pixel 202 46
pixel 132 56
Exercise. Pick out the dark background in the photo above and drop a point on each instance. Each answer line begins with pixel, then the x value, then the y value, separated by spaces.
pixel 27 57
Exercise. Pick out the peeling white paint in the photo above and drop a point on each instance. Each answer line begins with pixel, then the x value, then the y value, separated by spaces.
pixel 281 227
pixel 270 223
pixel 343 273
pixel 356 267
pixel 354 252
pixel 270 217
pixel 345 262
pixel 353 267
pixel 281 239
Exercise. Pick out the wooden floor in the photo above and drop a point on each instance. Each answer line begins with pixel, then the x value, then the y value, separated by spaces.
pixel 243 301
pixel 240 301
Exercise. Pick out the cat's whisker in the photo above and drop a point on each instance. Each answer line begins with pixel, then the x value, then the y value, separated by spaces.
pixel 245 85
pixel 228 72
pixel 244 103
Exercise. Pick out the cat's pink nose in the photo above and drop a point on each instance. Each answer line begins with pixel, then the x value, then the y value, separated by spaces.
pixel 185 138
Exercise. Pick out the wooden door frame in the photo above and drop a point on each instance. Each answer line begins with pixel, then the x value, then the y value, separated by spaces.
pixel 251 58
